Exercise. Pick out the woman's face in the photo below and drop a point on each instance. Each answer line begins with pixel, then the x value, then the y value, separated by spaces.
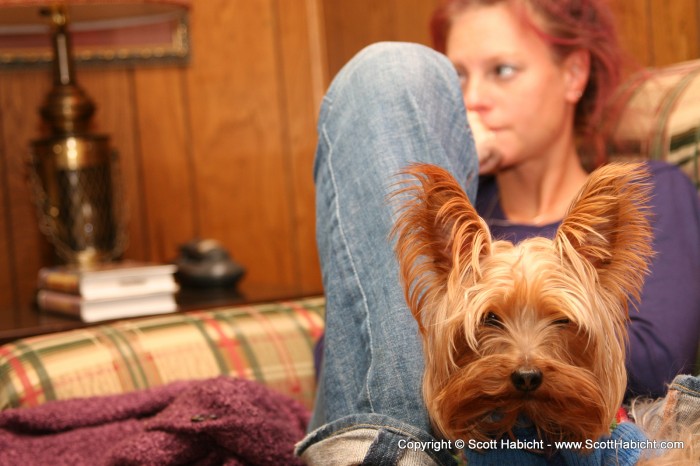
pixel 520 100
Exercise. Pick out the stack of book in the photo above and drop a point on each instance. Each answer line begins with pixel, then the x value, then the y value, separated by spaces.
pixel 108 291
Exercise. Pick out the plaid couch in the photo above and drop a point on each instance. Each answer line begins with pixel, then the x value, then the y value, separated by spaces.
pixel 270 343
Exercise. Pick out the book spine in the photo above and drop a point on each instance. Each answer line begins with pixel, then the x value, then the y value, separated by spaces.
pixel 57 302
pixel 59 281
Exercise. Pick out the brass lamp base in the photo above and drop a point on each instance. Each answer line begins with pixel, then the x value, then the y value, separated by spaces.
pixel 75 175
pixel 72 167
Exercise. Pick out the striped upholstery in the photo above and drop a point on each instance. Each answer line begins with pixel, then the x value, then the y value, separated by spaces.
pixel 271 343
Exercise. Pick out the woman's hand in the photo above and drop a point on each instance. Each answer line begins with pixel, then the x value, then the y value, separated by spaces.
pixel 485 141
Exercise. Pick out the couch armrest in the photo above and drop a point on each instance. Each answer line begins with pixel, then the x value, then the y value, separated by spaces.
pixel 270 343
pixel 655 115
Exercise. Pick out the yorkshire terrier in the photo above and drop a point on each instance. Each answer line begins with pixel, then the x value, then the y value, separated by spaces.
pixel 533 331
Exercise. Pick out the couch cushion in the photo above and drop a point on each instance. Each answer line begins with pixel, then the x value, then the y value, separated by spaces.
pixel 271 343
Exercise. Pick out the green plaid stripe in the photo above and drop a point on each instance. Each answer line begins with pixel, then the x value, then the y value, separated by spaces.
pixel 271 343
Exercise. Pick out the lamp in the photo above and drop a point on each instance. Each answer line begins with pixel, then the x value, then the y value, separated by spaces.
pixel 103 31
pixel 72 169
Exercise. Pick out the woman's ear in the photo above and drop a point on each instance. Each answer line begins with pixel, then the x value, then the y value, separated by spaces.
pixel 577 68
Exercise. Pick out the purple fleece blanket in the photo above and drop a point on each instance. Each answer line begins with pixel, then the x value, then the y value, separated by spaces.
pixel 211 422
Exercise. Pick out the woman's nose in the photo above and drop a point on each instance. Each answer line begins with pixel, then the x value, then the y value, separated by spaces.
pixel 475 95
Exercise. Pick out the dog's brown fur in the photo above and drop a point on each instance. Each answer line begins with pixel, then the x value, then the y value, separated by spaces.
pixel 535 329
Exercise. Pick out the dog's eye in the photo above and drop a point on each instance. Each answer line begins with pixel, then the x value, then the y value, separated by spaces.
pixel 563 322
pixel 492 320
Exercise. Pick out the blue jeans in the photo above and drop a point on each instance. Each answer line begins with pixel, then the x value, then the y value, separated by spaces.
pixel 392 105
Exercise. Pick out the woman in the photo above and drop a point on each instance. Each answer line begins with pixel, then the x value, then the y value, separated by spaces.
pixel 395 104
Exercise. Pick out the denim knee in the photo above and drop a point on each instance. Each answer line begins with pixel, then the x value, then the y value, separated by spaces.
pixel 393 68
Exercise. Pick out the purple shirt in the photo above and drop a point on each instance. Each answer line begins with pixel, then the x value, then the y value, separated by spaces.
pixel 665 330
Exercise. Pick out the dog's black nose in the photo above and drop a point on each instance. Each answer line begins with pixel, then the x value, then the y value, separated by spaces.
pixel 526 379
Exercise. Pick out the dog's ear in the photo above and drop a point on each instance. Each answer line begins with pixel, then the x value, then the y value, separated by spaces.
pixel 608 226
pixel 439 236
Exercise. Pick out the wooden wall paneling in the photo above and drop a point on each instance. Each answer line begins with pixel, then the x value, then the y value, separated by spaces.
pixel 8 296
pixel 353 24
pixel 674 31
pixel 22 95
pixel 412 18
pixel 112 90
pixel 167 193
pixel 634 30
pixel 302 73
pixel 237 140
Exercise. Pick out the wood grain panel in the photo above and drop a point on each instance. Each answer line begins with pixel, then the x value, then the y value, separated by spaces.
pixel 353 24
pixel 634 31
pixel 8 298
pixel 23 93
pixel 412 18
pixel 674 31
pixel 237 137
pixel 167 194
pixel 302 75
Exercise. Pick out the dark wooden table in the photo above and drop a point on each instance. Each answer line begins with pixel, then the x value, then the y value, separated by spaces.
pixel 37 322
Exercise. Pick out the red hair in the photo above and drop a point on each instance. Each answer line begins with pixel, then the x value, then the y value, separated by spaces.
pixel 567 25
